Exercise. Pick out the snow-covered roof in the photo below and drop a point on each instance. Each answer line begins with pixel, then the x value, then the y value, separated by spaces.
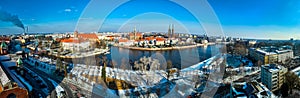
pixel 283 51
pixel 4 58
pixel 6 65
pixel 265 52
pixel 273 67
pixel 240 89
pixel 4 79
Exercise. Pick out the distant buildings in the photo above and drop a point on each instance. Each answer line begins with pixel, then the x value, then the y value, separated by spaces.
pixel 171 31
pixel 135 35
pixel 264 56
pixel 250 90
pixel 252 42
pixel 272 75
pixel 269 55
pixel 79 41
pixel 74 44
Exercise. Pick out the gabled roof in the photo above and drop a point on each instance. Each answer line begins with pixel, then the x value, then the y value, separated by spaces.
pixel 73 40
pixel 123 40
pixel 88 36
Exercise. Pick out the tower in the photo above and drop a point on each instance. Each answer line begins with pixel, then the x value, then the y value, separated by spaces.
pixel 76 34
pixel 173 35
pixel 169 31
pixel 134 32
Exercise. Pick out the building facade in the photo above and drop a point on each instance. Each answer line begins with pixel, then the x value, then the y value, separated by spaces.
pixel 284 55
pixel 272 75
pixel 271 55
pixel 263 56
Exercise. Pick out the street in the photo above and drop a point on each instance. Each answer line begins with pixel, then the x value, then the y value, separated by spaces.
pixel 45 78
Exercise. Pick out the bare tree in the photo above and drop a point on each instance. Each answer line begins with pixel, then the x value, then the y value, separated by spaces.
pixel 155 65
pixel 292 81
pixel 169 66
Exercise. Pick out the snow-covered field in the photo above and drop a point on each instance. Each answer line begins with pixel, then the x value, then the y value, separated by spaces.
pixel 146 80
pixel 149 83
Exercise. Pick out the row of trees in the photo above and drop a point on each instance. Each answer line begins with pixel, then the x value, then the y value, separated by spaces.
pixel 291 82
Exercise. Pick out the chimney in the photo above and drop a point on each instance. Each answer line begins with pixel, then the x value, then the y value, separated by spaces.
pixel 25 30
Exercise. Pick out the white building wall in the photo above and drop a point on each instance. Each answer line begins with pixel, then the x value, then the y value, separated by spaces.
pixel 76 46
pixel 282 57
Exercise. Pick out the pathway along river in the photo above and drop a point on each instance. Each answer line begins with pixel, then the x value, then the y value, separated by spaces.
pixel 180 58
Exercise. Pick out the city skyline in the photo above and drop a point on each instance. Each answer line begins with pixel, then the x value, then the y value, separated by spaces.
pixel 248 19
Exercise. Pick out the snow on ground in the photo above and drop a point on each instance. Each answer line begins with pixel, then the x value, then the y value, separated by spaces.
pixel 134 77
pixel 199 65
pixel 46 64
pixel 146 79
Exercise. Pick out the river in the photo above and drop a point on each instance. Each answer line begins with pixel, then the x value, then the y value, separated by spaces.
pixel 180 58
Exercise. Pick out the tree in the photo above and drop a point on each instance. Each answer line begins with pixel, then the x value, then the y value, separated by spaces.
pixel 137 65
pixel 103 71
pixel 169 66
pixel 155 65
pixel 259 63
pixel 291 79
pixel 58 63
pixel 65 69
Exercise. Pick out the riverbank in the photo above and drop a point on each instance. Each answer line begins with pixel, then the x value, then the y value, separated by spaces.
pixel 162 49
pixel 82 54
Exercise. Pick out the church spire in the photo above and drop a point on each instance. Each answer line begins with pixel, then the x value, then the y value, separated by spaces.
pixel 169 31
pixel 134 32
pixel 173 31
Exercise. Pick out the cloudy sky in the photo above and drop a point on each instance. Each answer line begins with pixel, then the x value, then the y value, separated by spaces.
pixel 275 19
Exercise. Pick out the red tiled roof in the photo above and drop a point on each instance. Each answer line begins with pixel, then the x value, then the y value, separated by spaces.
pixel 4 39
pixel 73 40
pixel 160 39
pixel 123 40
pixel 88 36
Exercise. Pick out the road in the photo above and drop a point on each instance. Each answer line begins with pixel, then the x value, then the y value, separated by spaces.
pixel 45 76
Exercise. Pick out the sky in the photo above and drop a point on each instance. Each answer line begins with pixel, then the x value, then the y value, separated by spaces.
pixel 262 19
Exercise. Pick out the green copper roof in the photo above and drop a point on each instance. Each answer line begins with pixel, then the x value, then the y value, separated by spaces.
pixel 3 44
pixel 19 61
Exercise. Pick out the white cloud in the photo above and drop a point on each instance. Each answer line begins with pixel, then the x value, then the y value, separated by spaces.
pixel 67 10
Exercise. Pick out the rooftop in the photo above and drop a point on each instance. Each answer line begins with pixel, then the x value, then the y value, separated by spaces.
pixel 273 67
pixel 265 52
pixel 250 89
pixel 73 40
pixel 88 36
pixel 4 58
pixel 137 34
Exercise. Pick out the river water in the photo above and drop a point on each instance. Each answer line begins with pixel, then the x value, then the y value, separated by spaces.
pixel 180 58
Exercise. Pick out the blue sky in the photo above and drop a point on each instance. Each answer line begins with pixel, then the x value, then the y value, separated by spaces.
pixel 276 19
